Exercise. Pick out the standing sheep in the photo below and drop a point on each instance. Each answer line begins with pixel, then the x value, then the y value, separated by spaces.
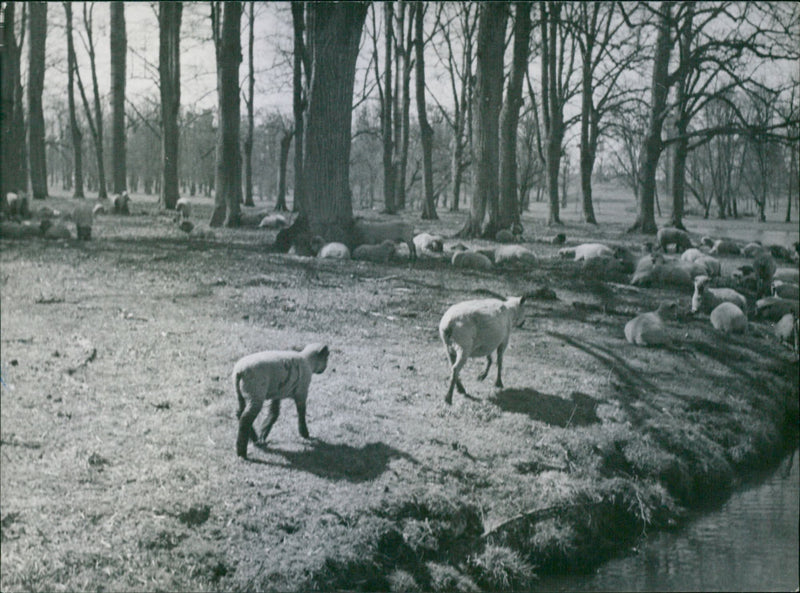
pixel 787 330
pixel 728 318
pixel 274 375
pixel 121 203
pixel 477 328
pixel 648 329
pixel 705 299
pixel 671 236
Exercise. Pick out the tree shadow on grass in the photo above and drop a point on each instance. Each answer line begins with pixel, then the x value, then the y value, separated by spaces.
pixel 578 410
pixel 339 461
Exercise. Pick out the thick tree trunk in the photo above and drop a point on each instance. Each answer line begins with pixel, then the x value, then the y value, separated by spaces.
pixel 251 84
pixel 169 66
pixel 97 129
pixel 652 146
pixel 400 200
pixel 77 135
pixel 283 155
pixel 679 179
pixel 229 164
pixel 489 99
pixel 298 103
pixel 386 114
pixel 554 116
pixel 587 157
pixel 509 119
pixel 426 132
pixel 335 30
pixel 119 48
pixel 9 73
pixel 36 131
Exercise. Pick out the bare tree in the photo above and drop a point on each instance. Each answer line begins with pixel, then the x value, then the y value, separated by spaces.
pixel 169 68
pixel 36 129
pixel 425 130
pixel 10 167
pixel 403 49
pixel 119 49
pixel 226 23
pixel 77 135
pixel 248 100
pixel 298 99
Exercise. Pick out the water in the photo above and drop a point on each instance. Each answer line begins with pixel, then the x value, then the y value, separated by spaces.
pixel 749 544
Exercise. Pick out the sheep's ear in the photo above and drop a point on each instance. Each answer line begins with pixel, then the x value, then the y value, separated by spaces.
pixel 324 351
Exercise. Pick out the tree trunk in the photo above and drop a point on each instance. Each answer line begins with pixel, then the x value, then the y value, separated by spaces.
pixel 169 66
pixel 248 141
pixel 335 33
pixel 488 99
pixel 588 119
pixel 509 119
pixel 97 127
pixel 400 196
pixel 283 155
pixel 298 103
pixel 9 73
pixel 229 171
pixel 386 114
pixel 36 130
pixel 77 135
pixel 426 132
pixel 652 146
pixel 554 115
pixel 119 48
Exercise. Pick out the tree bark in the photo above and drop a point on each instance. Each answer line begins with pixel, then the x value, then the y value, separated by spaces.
pixel 96 123
pixel 119 48
pixel 588 148
pixel 553 113
pixel 36 131
pixel 248 141
pixel 77 135
pixel 283 156
pixel 9 73
pixel 426 132
pixel 298 103
pixel 229 163
pixel 509 119
pixel 386 113
pixel 488 101
pixel 169 66
pixel 400 199
pixel 335 32
pixel 652 146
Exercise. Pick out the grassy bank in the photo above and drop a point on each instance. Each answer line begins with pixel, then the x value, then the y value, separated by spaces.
pixel 118 418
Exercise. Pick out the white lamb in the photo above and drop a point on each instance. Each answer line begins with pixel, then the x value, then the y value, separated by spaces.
pixel 513 254
pixel 705 299
pixel 648 329
pixel 728 318
pixel 334 251
pixel 274 375
pixel 587 251
pixel 477 328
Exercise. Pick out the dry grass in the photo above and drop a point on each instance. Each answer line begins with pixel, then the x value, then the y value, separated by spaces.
pixel 118 418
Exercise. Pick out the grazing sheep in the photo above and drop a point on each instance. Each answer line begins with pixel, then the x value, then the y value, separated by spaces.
pixel 780 252
pixel 369 232
pixel 477 328
pixel 752 249
pixel 121 203
pixel 788 330
pixel 712 266
pixel 471 260
pixel 725 246
pixel 690 255
pixel 273 221
pixel 587 251
pixel 626 259
pixel 427 242
pixel 647 262
pixel 671 236
pixel 705 299
pixel 375 253
pixel 183 208
pixel 274 375
pixel 785 290
pixel 18 205
pixel 773 308
pixel 790 275
pixel 334 251
pixel 514 254
pixel 764 269
pixel 669 273
pixel 504 236
pixel 83 216
pixel 729 319
pixel 648 329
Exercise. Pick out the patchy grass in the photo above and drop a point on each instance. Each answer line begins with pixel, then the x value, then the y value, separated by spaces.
pixel 118 416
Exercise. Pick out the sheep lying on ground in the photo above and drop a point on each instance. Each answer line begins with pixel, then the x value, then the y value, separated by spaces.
pixel 183 208
pixel 83 215
pixel 471 260
pixel 692 254
pixel 15 230
pixel 513 254
pixel 334 251
pixel 773 308
pixel 477 328
pixel 504 236
pixel 586 251
pixel 712 266
pixel 788 330
pixel 705 299
pixel 430 243
pixel 725 247
pixel 274 375
pixel 273 221
pixel 781 252
pixel 121 203
pixel 367 232
pixel 728 318
pixel 374 253
pixel 785 290
pixel 752 249
pixel 790 275
pixel 648 329
pixel 671 236
pixel 56 231
pixel 667 273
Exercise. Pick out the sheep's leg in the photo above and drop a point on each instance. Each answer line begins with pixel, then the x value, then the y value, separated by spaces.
pixel 246 432
pixel 485 372
pixel 274 411
pixel 412 250
pixel 301 419
pixel 500 350
pixel 454 381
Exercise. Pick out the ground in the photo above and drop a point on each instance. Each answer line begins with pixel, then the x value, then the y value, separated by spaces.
pixel 118 431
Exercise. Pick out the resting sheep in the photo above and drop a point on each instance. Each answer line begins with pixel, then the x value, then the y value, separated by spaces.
pixel 121 203
pixel 334 251
pixel 427 242
pixel 725 246
pixel 504 236
pixel 471 260
pixel 671 236
pixel 790 275
pixel 83 215
pixel 692 254
pixel 274 375
pixel 375 253
pixel 728 318
pixel 648 329
pixel 705 299
pixel 773 308
pixel 712 266
pixel 183 208
pixel 368 232
pixel 513 254
pixel 477 328
pixel 667 273
pixel 752 249
pixel 587 251
pixel 273 221
pixel 785 290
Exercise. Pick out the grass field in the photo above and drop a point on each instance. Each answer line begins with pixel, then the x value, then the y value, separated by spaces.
pixel 118 467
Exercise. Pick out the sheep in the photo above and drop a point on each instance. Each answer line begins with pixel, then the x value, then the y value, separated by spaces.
pixel 790 275
pixel 121 203
pixel 705 299
pixel 427 242
pixel 477 328
pixel 692 254
pixel 707 241
pixel 472 260
pixel 725 246
pixel 728 318
pixel 671 272
pixel 773 308
pixel 764 269
pixel 334 251
pixel 752 249
pixel 375 253
pixel 368 232
pixel 647 262
pixel 671 236
pixel 83 215
pixel 18 204
pixel 785 290
pixel 586 251
pixel 183 208
pixel 626 259
pixel 647 329
pixel 788 330
pixel 98 209
pixel 712 266
pixel 504 236
pixel 274 375
pixel 16 230
pixel 187 226
pixel 780 252
pixel 273 221
pixel 57 231
pixel 513 254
